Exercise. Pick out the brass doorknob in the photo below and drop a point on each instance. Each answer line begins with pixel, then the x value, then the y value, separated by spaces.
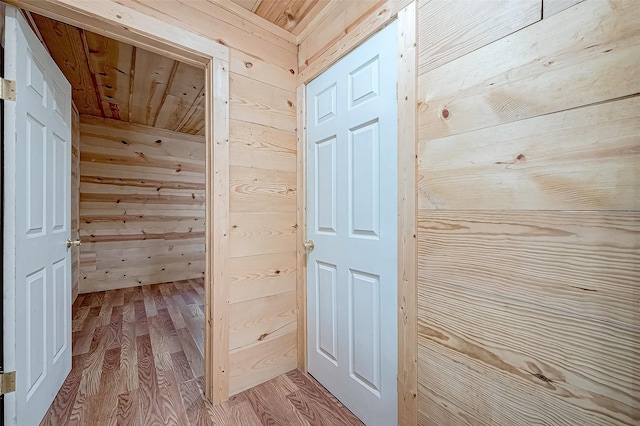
pixel 309 246
pixel 75 243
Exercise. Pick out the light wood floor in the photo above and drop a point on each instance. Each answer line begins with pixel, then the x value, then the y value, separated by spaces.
pixel 138 360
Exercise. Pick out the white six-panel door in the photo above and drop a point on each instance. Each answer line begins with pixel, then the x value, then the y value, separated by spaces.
pixel 37 278
pixel 352 219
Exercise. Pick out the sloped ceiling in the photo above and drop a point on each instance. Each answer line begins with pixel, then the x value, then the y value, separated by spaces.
pixel 285 13
pixel 115 80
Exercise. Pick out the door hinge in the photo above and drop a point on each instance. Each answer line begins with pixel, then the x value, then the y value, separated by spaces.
pixel 7 382
pixel 7 89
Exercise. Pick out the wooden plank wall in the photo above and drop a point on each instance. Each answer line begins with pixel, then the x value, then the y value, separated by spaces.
pixel 262 264
pixel 141 205
pixel 529 221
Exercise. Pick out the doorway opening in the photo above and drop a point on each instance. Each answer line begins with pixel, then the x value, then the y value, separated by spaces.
pixel 138 203
pixel 195 51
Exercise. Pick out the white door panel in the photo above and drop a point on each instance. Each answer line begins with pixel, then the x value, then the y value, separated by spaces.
pixel 352 218
pixel 37 277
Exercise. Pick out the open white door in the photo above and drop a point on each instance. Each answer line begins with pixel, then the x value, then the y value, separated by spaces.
pixel 37 275
pixel 352 218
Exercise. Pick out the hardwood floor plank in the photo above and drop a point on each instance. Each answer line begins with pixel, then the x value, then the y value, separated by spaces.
pixel 62 406
pixel 111 361
pixel 129 358
pixel 171 405
pixel 269 401
pixel 149 392
pixel 181 367
pixel 143 346
pixel 326 407
pixel 192 352
pixel 193 402
pixel 128 409
pixel 136 369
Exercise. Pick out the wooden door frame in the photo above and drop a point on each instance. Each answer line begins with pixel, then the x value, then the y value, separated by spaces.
pixel 407 201
pixel 128 25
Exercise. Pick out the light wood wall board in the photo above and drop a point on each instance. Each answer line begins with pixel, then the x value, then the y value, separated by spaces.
pixel 585 369
pixel 252 66
pixel 586 158
pixel 257 362
pixel 407 215
pixel 259 103
pixel 549 258
pixel 554 65
pixel 256 233
pixel 262 147
pixel 301 211
pixel 254 277
pixel 158 150
pixel 75 201
pixel 270 317
pixel 551 7
pixel 256 190
pixel 482 393
pixel 528 245
pixel 445 36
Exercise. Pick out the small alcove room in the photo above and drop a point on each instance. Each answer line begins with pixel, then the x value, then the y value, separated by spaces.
pixel 320 212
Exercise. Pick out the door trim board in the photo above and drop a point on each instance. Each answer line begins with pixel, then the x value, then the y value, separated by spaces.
pixel 123 23
pixel 407 211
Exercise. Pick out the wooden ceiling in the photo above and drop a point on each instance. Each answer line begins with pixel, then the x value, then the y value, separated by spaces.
pixel 115 80
pixel 287 14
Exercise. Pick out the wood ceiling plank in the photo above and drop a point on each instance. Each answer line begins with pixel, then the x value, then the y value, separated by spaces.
pixel 247 4
pixel 151 78
pixel 309 17
pixel 110 61
pixel 115 80
pixel 185 90
pixel 65 45
pixel 288 13
pixel 193 121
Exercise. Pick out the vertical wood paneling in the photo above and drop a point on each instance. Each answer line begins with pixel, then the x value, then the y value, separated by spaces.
pixel 407 215
pixel 301 254
pixel 137 245
pixel 528 241
pixel 75 201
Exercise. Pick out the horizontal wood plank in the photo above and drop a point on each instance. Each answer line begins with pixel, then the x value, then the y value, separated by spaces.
pixel 554 65
pixel 259 362
pixel 585 158
pixel 261 276
pixel 141 217
pixel 262 233
pixel 445 35
pixel 583 263
pixel 526 362
pixel 262 147
pixel 261 319
pixel 551 7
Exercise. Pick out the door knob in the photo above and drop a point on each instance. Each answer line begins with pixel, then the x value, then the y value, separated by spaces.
pixel 76 243
pixel 309 246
